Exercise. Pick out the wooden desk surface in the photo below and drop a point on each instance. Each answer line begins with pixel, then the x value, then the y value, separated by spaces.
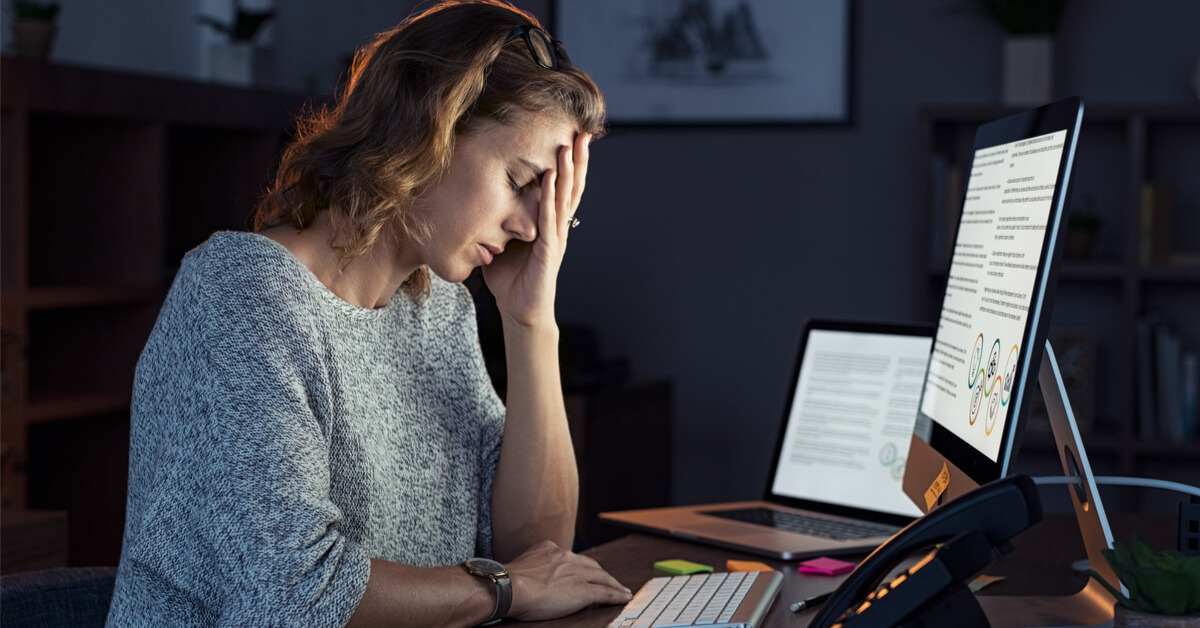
pixel 1039 565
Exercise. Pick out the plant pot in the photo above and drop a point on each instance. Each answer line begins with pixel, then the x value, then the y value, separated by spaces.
pixel 240 63
pixel 1126 618
pixel 1028 70
pixel 33 38
pixel 1080 242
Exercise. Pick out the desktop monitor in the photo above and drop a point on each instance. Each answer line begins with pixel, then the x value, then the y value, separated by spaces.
pixel 995 313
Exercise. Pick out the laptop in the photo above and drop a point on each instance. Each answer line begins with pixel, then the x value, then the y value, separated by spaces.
pixel 835 485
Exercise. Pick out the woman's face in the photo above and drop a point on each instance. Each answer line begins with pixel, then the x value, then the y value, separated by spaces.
pixel 490 194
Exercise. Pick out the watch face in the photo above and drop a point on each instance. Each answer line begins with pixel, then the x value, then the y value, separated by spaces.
pixel 486 566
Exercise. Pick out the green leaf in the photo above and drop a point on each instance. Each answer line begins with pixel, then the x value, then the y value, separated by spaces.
pixel 1141 604
pixel 1115 591
pixel 1166 583
pixel 1168 592
pixel 1192 571
pixel 1120 554
pixel 1170 560
pixel 1127 574
pixel 1143 556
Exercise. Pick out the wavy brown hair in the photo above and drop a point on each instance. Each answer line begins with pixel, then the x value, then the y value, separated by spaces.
pixel 441 73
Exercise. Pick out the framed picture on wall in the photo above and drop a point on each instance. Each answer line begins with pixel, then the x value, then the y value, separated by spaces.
pixel 714 61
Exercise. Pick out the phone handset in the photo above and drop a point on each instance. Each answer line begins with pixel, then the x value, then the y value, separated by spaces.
pixel 975 528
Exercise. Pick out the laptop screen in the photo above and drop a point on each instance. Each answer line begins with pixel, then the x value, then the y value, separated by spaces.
pixel 850 419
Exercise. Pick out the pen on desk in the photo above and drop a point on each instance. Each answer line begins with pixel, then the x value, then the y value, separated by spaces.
pixel 810 602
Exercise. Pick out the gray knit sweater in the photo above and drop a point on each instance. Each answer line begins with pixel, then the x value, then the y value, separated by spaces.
pixel 281 438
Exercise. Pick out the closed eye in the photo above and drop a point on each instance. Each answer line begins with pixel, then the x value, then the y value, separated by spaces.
pixel 533 184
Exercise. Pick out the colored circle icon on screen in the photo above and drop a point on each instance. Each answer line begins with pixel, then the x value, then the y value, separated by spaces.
pixel 976 358
pixel 1010 369
pixel 887 454
pixel 898 470
pixel 993 360
pixel 993 407
pixel 976 400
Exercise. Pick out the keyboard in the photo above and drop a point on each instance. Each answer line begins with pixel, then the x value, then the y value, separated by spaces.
pixel 835 529
pixel 720 600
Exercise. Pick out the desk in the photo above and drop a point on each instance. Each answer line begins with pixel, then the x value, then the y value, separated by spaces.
pixel 1039 565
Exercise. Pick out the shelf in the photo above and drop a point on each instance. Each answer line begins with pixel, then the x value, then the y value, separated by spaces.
pixel 74 407
pixel 33 540
pixel 1188 449
pixel 1103 444
pixel 12 135
pixel 977 114
pixel 65 298
pixel 1091 271
pixel 1072 271
pixel 9 412
pixel 1104 293
pixel 77 91
pixel 82 199
pixel 82 351
pixel 239 159
pixel 1171 274
pixel 1042 441
pixel 1107 271
pixel 108 179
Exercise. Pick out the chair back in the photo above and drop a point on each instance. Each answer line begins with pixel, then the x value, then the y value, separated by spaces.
pixel 50 598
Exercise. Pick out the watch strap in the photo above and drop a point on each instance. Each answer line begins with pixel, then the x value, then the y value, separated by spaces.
pixel 503 586
pixel 503 596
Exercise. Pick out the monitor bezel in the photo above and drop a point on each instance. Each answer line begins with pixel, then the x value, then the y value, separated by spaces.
pixel 1064 115
pixel 922 330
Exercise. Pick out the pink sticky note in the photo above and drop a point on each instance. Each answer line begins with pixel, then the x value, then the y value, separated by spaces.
pixel 825 566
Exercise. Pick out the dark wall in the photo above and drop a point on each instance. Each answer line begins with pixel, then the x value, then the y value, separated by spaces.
pixel 702 249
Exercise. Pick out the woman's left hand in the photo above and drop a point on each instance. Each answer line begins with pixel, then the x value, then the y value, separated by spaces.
pixel 523 277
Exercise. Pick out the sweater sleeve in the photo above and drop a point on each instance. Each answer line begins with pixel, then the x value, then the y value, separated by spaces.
pixel 469 389
pixel 485 404
pixel 281 557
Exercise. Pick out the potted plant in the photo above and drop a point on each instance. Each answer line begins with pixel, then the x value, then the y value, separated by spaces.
pixel 239 59
pixel 34 28
pixel 1025 17
pixel 1029 27
pixel 1083 228
pixel 1164 588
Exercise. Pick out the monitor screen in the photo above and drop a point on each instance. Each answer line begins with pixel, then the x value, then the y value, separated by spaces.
pixel 985 310
pixel 996 308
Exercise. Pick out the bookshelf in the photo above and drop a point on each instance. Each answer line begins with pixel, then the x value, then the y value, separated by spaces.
pixel 1111 279
pixel 108 179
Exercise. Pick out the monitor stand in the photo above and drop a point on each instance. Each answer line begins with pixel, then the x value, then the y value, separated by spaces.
pixel 1093 604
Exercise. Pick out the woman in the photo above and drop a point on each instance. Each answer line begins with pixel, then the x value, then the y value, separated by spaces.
pixel 315 441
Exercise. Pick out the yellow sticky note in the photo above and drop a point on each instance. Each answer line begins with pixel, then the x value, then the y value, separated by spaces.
pixel 681 567
pixel 935 490
pixel 747 565
pixel 982 581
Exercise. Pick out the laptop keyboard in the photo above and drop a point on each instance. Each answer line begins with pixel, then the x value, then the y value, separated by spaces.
pixel 701 600
pixel 804 524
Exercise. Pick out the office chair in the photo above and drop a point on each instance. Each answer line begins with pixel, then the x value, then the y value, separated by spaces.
pixel 50 598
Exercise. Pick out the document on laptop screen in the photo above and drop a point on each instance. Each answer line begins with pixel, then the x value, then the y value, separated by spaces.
pixel 852 419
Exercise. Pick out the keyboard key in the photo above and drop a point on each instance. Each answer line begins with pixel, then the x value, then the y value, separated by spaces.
pixel 690 600
pixel 805 524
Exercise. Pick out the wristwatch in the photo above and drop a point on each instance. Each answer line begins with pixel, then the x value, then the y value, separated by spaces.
pixel 488 568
